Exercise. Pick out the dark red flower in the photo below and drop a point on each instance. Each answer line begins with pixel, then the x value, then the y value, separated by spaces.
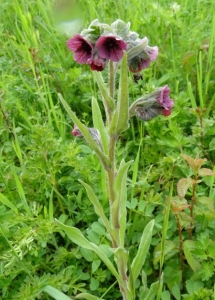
pixel 110 47
pixel 83 51
pixel 97 63
pixel 165 101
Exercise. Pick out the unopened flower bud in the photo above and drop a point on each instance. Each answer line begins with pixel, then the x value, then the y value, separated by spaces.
pixel 93 132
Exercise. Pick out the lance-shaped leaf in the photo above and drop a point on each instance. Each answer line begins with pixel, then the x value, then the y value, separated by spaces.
pixel 122 104
pixel 78 238
pixel 99 124
pixel 56 294
pixel 136 50
pixel 97 206
pixel 119 205
pixel 84 130
pixel 107 100
pixel 87 297
pixel 143 249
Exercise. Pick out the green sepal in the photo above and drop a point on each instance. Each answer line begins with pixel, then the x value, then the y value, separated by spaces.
pixel 99 124
pixel 102 157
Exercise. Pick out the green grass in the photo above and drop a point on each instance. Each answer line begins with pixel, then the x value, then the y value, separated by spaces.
pixel 41 163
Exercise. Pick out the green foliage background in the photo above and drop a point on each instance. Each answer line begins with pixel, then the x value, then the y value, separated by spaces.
pixel 41 162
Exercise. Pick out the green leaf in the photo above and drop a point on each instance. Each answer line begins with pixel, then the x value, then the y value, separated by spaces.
pixel 102 157
pixel 98 228
pixel 188 247
pixel 78 238
pixel 152 291
pixel 7 202
pixel 122 104
pixel 97 205
pixel 107 100
pixel 99 124
pixel 119 205
pixel 95 265
pixel 56 294
pixel 112 130
pixel 193 286
pixel 166 295
pixel 176 292
pixel 87 297
pixel 94 284
pixel 143 249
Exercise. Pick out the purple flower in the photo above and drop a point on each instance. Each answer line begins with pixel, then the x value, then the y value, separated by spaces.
pixel 110 47
pixel 165 101
pixel 83 51
pixel 143 60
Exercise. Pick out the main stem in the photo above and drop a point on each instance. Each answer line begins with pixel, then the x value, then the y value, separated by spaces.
pixel 115 212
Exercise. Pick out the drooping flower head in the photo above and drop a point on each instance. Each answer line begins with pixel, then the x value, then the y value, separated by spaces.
pixel 110 47
pixel 83 51
pixel 152 105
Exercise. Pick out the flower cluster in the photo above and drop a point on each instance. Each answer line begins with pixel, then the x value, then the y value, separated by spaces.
pixel 100 43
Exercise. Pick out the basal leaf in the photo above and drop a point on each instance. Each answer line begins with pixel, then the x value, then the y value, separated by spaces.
pixel 78 238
